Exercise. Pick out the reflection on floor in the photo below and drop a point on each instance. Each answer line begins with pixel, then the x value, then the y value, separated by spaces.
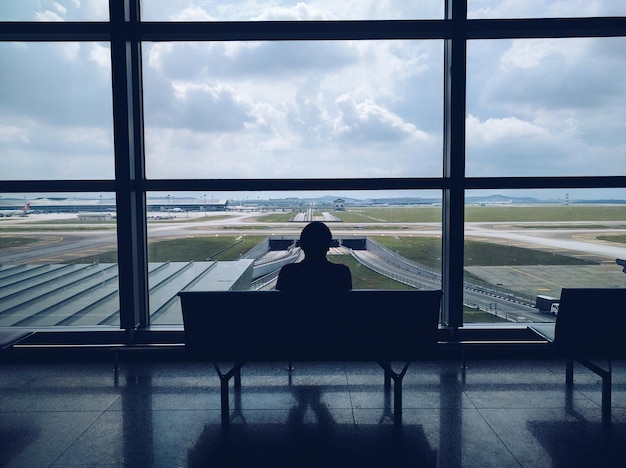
pixel 496 413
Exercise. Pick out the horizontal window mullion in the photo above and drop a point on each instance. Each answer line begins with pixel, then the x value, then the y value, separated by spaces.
pixel 545 28
pixel 544 182
pixel 293 30
pixel 54 31
pixel 17 186
pixel 294 184
pixel 317 30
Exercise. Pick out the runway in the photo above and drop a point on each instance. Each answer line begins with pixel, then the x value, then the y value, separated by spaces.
pixel 61 239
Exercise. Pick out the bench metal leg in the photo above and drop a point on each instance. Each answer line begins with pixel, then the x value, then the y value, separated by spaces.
pixel 387 379
pixel 224 405
pixel 569 372
pixel 397 387
pixel 224 379
pixel 237 380
pixel 606 396
pixel 397 400
pixel 606 376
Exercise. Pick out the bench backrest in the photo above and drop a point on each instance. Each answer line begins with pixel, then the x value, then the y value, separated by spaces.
pixel 592 322
pixel 274 325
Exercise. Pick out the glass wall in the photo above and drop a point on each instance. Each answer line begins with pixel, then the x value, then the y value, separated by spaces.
pixel 546 107
pixel 239 241
pixel 482 9
pixel 56 118
pixel 55 10
pixel 213 130
pixel 523 247
pixel 288 10
pixel 293 109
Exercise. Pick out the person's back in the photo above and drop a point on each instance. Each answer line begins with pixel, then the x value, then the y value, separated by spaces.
pixel 315 272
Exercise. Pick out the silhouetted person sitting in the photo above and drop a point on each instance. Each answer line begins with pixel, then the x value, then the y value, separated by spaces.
pixel 315 272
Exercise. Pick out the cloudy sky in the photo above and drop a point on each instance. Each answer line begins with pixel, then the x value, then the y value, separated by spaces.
pixel 316 109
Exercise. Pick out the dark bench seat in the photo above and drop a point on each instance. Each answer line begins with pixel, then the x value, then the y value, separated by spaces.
pixel 590 326
pixel 359 325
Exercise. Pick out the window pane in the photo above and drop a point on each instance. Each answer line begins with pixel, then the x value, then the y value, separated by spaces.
pixel 55 111
pixel 239 241
pixel 288 10
pixel 293 109
pixel 546 107
pixel 55 10
pixel 528 244
pixel 544 9
pixel 58 264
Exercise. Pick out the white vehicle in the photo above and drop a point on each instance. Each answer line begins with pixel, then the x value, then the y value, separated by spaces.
pixel 554 308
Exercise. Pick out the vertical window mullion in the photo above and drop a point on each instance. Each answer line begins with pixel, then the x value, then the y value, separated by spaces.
pixel 129 166
pixel 454 162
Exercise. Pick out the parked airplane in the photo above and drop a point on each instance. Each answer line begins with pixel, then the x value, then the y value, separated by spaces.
pixel 24 211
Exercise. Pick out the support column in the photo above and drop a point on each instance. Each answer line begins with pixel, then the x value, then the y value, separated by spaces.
pixel 129 166
pixel 454 163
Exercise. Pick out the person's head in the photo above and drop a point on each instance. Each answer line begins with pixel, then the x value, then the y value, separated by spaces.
pixel 315 239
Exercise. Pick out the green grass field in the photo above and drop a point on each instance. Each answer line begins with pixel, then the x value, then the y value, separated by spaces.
pixel 8 242
pixel 427 251
pixel 189 249
pixel 508 213
pixel 276 218
pixel 619 239
pixel 363 277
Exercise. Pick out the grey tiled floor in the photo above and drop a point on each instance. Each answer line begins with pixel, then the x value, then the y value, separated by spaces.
pixel 496 413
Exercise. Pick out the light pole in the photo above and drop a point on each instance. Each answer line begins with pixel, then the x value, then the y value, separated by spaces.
pixel 205 205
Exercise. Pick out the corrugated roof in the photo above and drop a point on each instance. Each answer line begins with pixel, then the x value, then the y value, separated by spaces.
pixel 87 294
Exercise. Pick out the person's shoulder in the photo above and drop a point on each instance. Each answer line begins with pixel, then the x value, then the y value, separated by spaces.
pixel 339 266
pixel 289 266
pixel 289 269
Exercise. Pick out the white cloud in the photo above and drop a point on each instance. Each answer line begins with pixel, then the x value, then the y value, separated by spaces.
pixel 101 55
pixel 300 11
pixel 546 147
pixel 12 134
pixel 544 8
pixel 35 149
pixel 368 121
pixel 193 13
pixel 69 51
pixel 155 53
pixel 60 8
pixel 325 108
pixel 48 16
pixel 526 53
pixel 509 130
pixel 204 108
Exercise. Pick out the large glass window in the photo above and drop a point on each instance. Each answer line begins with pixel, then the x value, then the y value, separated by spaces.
pixel 55 10
pixel 232 124
pixel 288 10
pixel 544 9
pixel 56 118
pixel 522 247
pixel 293 109
pixel 239 241
pixel 546 107
pixel 58 265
